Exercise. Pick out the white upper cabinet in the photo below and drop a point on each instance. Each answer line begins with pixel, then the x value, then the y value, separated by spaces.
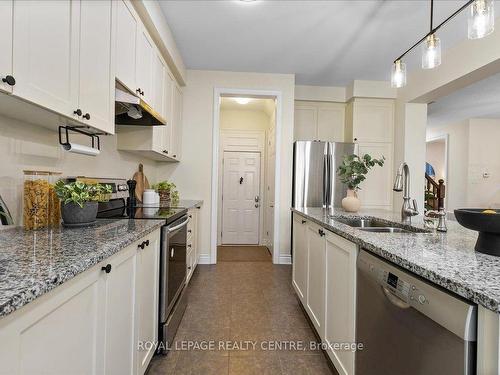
pixel 144 65
pixel 126 44
pixel 6 8
pixel 45 57
pixel 158 101
pixel 176 135
pixel 372 120
pixel 96 89
pixel 319 121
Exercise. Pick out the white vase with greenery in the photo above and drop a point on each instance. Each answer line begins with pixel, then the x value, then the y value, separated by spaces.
pixel 352 172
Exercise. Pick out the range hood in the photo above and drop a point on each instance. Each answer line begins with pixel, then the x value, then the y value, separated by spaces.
pixel 131 110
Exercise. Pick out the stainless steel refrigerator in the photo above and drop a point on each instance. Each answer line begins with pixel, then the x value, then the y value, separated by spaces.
pixel 315 180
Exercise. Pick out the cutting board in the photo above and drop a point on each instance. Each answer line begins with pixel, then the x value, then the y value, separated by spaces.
pixel 142 183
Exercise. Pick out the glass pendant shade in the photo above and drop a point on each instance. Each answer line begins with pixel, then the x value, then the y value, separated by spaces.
pixel 481 21
pixel 431 52
pixel 398 74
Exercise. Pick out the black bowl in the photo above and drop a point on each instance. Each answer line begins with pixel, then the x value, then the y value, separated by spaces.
pixel 488 226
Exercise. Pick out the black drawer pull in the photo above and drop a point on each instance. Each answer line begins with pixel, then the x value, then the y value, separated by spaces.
pixel 11 81
pixel 321 232
pixel 304 221
pixel 147 242
pixel 141 246
pixel 86 116
pixel 106 268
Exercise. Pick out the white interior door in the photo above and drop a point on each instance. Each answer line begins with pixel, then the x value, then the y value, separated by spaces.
pixel 240 198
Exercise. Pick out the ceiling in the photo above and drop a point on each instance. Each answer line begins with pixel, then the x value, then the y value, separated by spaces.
pixel 263 105
pixel 327 43
pixel 479 100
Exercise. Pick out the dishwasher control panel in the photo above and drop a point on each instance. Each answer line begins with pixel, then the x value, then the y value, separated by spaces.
pixel 398 286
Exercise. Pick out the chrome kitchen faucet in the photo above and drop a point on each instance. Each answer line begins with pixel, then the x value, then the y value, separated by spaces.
pixel 403 182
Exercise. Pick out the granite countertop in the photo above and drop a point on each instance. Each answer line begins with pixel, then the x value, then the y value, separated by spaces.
pixel 187 203
pixel 35 262
pixel 446 259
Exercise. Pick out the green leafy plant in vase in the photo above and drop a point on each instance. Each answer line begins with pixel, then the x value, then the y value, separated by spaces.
pixel 167 192
pixel 79 200
pixel 352 172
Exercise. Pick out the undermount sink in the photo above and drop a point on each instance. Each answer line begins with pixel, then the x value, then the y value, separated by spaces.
pixel 385 230
pixel 376 225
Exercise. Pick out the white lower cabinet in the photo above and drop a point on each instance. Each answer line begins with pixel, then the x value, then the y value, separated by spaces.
pixel 316 275
pixel 91 324
pixel 340 313
pixel 299 266
pixel 146 319
pixel 324 278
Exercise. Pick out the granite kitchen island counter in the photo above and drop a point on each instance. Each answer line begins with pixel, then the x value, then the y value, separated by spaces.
pixel 35 262
pixel 445 259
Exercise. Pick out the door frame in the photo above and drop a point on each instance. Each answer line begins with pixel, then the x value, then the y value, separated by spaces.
pixel 445 138
pixel 221 192
pixel 218 93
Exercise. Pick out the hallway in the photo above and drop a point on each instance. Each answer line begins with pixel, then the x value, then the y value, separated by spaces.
pixel 237 302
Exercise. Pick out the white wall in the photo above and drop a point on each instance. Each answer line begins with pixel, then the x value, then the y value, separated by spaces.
pixel 435 155
pixel 243 119
pixel 193 175
pixel 484 157
pixel 458 160
pixel 26 146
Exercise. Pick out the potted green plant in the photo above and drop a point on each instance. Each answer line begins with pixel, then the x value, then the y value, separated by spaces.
pixel 352 172
pixel 164 190
pixel 79 201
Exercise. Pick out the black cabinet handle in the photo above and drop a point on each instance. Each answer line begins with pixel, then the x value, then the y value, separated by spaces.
pixel 190 216
pixel 189 245
pixel 142 92
pixel 142 245
pixel 355 139
pixel 138 91
pixel 147 242
pixel 321 232
pixel 175 156
pixel 11 81
pixel 190 231
pixel 165 151
pixel 106 268
pixel 304 221
pixel 189 267
pixel 78 112
pixel 86 116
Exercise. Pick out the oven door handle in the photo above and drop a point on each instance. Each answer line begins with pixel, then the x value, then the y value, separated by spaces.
pixel 173 229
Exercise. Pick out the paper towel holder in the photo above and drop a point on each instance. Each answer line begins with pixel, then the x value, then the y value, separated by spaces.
pixel 93 150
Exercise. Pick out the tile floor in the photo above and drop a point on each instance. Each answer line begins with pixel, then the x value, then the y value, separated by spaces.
pixel 243 254
pixel 240 301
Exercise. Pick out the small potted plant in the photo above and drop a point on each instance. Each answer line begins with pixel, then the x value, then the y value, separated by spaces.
pixel 164 190
pixel 352 172
pixel 79 201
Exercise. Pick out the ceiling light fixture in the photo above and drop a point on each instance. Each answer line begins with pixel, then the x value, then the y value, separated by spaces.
pixel 481 19
pixel 481 22
pixel 242 100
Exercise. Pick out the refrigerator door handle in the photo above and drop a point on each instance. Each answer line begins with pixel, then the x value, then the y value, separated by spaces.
pixel 325 180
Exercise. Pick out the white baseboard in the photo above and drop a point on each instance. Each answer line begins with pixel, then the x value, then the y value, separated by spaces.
pixel 204 259
pixel 285 259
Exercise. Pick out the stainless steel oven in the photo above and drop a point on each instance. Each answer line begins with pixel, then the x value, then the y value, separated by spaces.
pixel 173 300
pixel 408 326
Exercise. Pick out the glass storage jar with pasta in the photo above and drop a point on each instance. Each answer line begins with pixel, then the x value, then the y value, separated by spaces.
pixel 41 207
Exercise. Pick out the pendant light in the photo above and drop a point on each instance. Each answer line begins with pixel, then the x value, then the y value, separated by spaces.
pixel 431 52
pixel 481 20
pixel 398 74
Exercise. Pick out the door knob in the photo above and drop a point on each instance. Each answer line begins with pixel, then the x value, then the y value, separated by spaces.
pixel 11 81
pixel 256 205
pixel 257 198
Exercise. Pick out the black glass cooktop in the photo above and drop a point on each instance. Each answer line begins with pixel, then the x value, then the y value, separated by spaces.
pixel 114 210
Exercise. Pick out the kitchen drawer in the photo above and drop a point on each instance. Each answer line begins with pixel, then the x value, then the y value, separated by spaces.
pixel 189 264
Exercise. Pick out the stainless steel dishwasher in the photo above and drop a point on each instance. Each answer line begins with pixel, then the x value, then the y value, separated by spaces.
pixel 408 326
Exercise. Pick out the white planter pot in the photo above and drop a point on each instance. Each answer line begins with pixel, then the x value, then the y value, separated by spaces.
pixel 351 202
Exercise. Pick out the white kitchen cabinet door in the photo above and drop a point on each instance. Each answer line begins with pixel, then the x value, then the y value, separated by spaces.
pixel 144 65
pixel 119 354
pixel 125 43
pixel 340 313
pixel 192 235
pixel 97 82
pixel 60 333
pixel 373 120
pixel 316 276
pixel 6 8
pixel 305 123
pixel 331 122
pixel 158 101
pixel 300 261
pixel 176 134
pixel 45 57
pixel 147 302
pixel 163 134
pixel 376 190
